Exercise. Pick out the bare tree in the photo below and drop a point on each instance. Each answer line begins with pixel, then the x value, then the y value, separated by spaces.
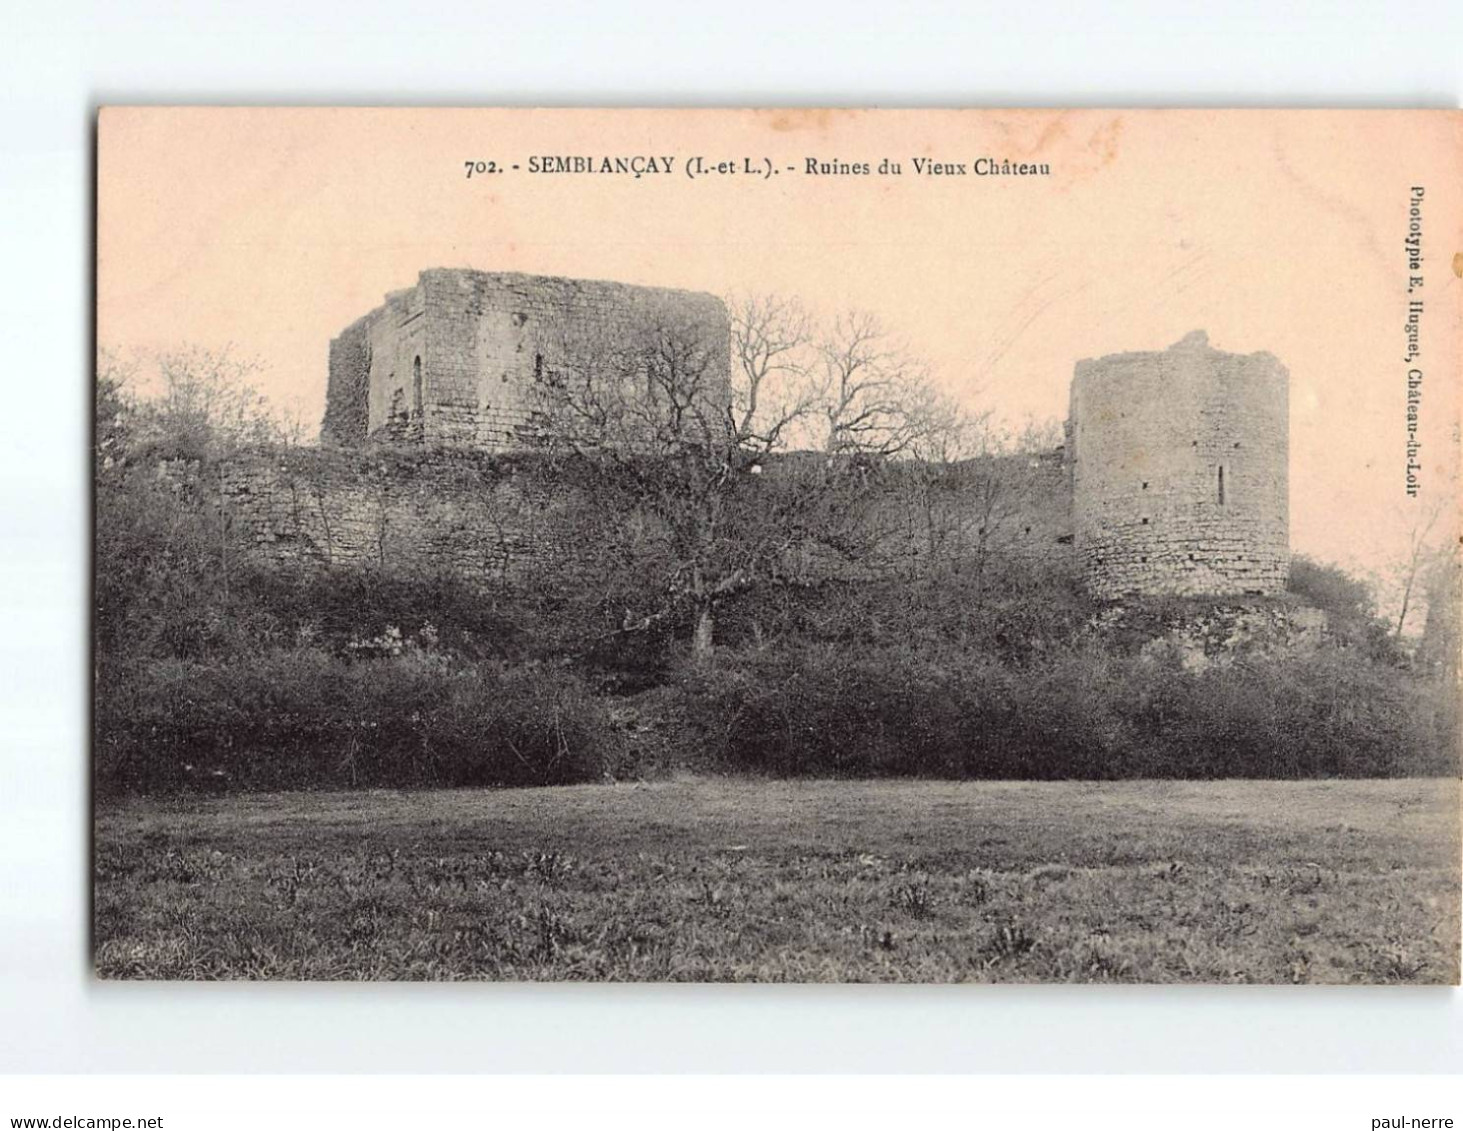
pixel 972 482
pixel 194 403
pixel 772 341
pixel 941 459
pixel 655 423
pixel 1420 556
pixel 873 397
pixel 1443 581
pixel 648 422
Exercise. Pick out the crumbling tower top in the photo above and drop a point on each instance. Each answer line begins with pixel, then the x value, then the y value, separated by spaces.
pixel 454 360
pixel 1179 464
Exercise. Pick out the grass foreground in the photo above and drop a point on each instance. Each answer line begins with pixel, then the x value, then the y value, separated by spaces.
pixel 751 880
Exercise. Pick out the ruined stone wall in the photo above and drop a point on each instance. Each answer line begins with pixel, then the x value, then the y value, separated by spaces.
pixel 1179 464
pixel 479 518
pixel 348 387
pixel 1013 506
pixel 455 360
pixel 376 383
pixel 510 518
pixel 398 352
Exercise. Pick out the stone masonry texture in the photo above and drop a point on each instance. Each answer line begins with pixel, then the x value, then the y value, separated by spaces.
pixel 1179 470
pixel 486 518
pixel 453 361
pixel 1173 481
pixel 504 518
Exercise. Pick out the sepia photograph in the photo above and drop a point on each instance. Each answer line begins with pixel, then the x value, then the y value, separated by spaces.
pixel 793 546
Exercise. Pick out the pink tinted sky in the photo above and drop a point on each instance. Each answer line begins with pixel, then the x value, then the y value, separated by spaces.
pixel 271 229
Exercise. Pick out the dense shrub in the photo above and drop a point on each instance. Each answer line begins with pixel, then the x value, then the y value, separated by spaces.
pixel 1331 589
pixel 1350 607
pixel 1084 714
pixel 301 717
pixel 336 610
pixel 1017 612
pixel 395 711
pixel 817 711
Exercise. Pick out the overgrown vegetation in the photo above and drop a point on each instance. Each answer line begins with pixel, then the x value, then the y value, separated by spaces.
pixel 980 662
pixel 301 717
pixel 821 710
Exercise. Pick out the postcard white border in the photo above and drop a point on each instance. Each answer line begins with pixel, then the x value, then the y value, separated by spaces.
pixel 64 59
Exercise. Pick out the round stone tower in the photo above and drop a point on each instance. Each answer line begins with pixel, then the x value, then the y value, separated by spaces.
pixel 1179 465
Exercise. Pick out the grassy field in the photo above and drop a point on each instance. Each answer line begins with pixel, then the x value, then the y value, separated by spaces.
pixel 712 880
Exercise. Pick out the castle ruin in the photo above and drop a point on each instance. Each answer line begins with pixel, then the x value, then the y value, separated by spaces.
pixel 453 361
pixel 1179 471
pixel 1173 480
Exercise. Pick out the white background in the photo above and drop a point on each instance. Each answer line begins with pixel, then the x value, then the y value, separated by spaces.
pixel 59 61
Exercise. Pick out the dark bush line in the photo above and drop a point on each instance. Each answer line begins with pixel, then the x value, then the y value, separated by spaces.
pixel 303 718
pixel 1085 716
pixel 1013 616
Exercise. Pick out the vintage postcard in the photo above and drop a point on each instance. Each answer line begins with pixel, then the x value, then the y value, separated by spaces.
pixel 785 546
